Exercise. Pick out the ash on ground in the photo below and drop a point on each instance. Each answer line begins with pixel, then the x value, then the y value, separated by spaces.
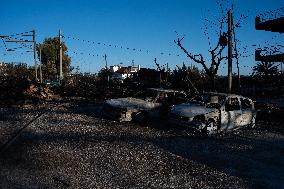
pixel 71 146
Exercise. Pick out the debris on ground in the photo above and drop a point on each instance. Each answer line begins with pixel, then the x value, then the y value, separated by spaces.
pixel 71 146
pixel 21 91
pixel 39 91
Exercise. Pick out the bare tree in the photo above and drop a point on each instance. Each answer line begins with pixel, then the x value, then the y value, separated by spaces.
pixel 216 57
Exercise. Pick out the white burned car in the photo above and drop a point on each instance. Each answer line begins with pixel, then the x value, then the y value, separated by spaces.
pixel 155 102
pixel 216 113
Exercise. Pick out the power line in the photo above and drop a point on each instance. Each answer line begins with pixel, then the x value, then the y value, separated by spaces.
pixel 118 46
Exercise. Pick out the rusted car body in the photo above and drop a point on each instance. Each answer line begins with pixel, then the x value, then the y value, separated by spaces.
pixel 154 103
pixel 218 112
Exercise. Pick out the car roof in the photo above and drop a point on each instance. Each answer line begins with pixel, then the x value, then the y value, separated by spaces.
pixel 225 94
pixel 165 90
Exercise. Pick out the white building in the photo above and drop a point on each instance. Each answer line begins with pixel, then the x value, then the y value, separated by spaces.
pixel 119 72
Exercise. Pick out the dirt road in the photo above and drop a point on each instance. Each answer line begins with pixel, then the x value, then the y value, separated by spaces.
pixel 72 147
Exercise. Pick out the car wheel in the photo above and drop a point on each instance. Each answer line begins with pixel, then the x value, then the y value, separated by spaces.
pixel 252 125
pixel 211 128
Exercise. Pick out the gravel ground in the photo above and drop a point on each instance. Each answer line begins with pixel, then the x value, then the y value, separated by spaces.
pixel 70 146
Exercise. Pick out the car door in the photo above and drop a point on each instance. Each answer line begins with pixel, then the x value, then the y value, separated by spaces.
pixel 230 113
pixel 247 111
pixel 158 105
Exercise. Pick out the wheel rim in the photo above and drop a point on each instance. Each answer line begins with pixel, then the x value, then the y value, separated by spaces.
pixel 253 122
pixel 211 128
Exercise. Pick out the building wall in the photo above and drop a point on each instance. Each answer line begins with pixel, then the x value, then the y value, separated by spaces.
pixel 117 74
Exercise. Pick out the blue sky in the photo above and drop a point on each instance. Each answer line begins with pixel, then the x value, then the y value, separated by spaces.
pixel 148 25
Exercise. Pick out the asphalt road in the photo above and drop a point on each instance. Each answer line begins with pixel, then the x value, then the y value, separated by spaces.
pixel 72 147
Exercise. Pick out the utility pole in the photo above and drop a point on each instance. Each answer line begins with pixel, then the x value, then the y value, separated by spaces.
pixel 34 40
pixel 60 57
pixel 230 18
pixel 105 57
pixel 40 70
pixel 167 72
pixel 160 71
pixel 237 59
pixel 22 41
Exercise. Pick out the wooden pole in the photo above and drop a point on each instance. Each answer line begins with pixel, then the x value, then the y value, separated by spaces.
pixel 230 51
pixel 34 40
pixel 60 57
pixel 107 70
pixel 40 69
pixel 237 58
pixel 105 56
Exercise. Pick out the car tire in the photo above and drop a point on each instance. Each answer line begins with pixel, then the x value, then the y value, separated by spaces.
pixel 211 128
pixel 252 125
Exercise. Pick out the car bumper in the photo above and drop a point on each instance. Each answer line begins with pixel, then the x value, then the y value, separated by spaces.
pixel 117 114
pixel 190 123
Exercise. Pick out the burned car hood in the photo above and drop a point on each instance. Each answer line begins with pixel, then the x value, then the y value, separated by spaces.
pixel 132 103
pixel 190 110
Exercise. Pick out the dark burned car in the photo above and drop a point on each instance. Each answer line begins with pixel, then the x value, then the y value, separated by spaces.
pixel 217 112
pixel 153 103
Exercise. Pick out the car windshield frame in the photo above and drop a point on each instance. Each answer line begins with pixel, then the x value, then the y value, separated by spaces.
pixel 208 97
pixel 148 94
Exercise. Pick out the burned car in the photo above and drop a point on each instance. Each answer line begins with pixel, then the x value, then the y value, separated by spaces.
pixel 153 103
pixel 217 112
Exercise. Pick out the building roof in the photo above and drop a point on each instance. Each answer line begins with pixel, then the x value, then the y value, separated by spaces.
pixel 123 70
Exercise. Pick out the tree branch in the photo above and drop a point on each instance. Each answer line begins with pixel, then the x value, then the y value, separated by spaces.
pixel 219 62
pixel 193 57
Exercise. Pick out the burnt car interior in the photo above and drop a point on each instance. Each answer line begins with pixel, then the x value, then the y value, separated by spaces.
pixel 246 104
pixel 163 97
pixel 232 104
pixel 148 95
pixel 213 101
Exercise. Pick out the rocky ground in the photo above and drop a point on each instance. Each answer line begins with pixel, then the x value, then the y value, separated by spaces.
pixel 70 146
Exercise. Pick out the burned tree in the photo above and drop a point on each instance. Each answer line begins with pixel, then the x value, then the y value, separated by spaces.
pixel 223 40
pixel 216 57
pixel 215 53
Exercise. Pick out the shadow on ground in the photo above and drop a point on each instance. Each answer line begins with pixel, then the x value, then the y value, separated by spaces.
pixel 252 155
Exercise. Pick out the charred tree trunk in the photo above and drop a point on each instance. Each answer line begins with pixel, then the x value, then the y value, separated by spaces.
pixel 213 82
pixel 213 69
